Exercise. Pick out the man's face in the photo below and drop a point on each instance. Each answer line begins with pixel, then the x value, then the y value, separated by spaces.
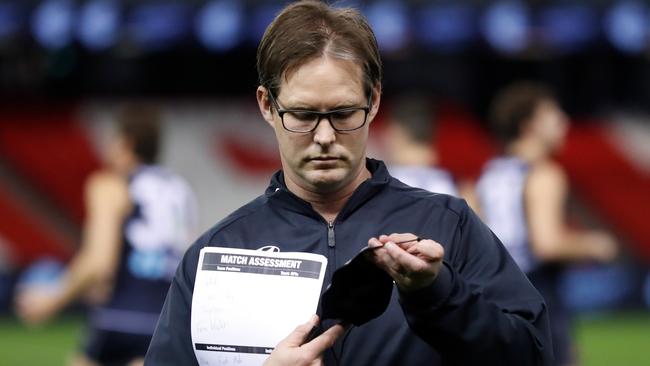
pixel 550 124
pixel 119 156
pixel 324 160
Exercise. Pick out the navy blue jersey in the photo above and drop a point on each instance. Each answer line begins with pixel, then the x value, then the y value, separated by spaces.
pixel 155 236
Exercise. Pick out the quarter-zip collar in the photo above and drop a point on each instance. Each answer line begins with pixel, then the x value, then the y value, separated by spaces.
pixel 278 193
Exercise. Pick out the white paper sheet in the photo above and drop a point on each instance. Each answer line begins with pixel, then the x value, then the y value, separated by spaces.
pixel 246 301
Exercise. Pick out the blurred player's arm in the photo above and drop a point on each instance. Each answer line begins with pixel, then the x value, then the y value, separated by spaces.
pixel 107 204
pixel 551 240
pixel 467 191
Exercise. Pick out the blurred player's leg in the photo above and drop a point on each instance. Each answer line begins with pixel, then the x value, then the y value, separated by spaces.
pixel 137 362
pixel 81 360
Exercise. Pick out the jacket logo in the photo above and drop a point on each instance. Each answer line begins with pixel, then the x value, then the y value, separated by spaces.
pixel 269 248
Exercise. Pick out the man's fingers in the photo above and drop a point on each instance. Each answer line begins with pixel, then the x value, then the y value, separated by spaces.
pixel 412 265
pixel 397 237
pixel 401 258
pixel 28 308
pixel 429 249
pixel 324 341
pixel 378 254
pixel 405 241
pixel 374 243
pixel 299 335
pixel 396 261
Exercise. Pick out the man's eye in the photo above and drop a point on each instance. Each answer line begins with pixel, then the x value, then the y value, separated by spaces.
pixel 303 116
pixel 343 115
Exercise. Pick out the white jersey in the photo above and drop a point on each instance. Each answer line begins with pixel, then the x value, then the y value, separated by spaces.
pixel 163 223
pixel 500 192
pixel 429 178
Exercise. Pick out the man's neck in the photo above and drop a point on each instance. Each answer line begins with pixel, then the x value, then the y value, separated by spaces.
pixel 125 170
pixel 328 204
pixel 529 150
pixel 415 155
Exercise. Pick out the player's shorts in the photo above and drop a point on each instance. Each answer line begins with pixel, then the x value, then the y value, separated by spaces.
pixel 109 348
pixel 546 282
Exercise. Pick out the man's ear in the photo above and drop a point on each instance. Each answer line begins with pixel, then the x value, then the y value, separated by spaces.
pixel 376 99
pixel 264 103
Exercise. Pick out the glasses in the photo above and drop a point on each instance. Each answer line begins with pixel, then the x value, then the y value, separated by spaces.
pixel 304 121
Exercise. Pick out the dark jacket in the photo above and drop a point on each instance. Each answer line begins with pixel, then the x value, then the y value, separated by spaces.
pixel 481 310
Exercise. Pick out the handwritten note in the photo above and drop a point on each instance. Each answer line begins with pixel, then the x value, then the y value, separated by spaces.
pixel 246 301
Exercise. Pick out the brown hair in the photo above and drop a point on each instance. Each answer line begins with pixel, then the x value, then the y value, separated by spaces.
pixel 415 114
pixel 309 29
pixel 514 106
pixel 140 125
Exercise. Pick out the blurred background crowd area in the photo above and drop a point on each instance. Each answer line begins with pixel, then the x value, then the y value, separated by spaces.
pixel 66 65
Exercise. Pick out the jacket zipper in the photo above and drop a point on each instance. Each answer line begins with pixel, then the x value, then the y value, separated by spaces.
pixel 331 250
pixel 331 242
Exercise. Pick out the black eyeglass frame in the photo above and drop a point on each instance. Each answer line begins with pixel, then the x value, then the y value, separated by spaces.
pixel 321 115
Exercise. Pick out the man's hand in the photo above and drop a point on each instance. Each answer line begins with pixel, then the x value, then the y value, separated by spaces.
pixel 35 306
pixel 603 246
pixel 293 351
pixel 413 264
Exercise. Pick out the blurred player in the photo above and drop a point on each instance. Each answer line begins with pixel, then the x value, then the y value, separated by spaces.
pixel 522 195
pixel 139 219
pixel 410 136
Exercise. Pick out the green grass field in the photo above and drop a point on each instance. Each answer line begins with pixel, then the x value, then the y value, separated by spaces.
pixel 614 340
pixel 610 340
pixel 48 345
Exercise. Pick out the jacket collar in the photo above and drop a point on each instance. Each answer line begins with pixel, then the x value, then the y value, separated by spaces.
pixel 278 193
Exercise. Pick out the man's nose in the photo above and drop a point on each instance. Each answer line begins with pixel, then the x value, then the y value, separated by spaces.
pixel 324 134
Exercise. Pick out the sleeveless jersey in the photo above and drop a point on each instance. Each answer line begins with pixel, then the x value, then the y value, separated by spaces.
pixel 156 234
pixel 500 192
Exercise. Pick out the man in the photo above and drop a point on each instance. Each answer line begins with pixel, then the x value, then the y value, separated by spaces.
pixel 458 297
pixel 139 220
pixel 409 138
pixel 522 196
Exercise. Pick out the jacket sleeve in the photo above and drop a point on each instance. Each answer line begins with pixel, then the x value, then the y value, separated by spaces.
pixel 172 341
pixel 481 310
